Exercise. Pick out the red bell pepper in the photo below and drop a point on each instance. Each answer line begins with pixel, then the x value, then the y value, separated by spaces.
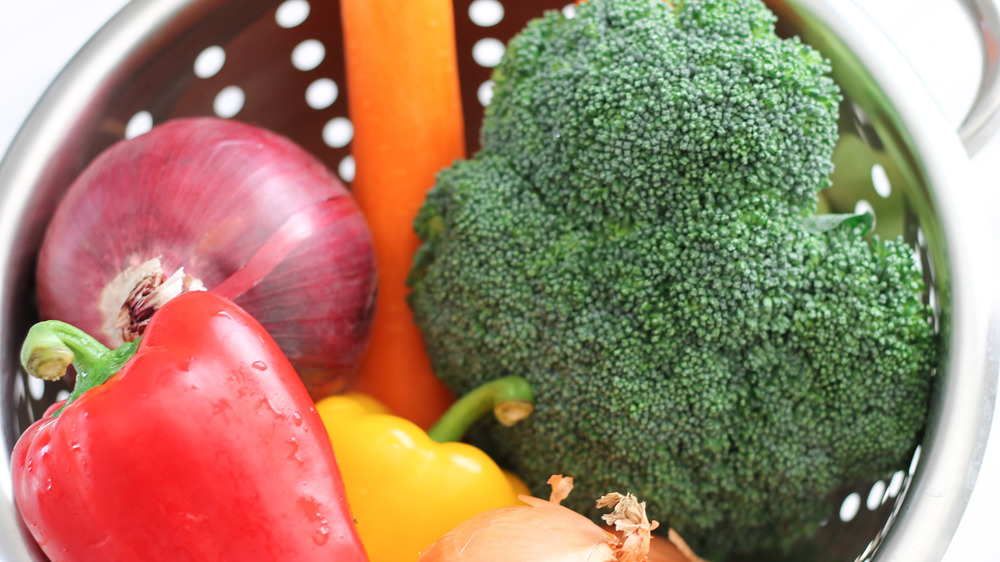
pixel 198 442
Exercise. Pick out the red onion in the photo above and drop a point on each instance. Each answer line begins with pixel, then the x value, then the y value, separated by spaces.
pixel 217 204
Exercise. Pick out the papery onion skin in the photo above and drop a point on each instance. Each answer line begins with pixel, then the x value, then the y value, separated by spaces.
pixel 545 531
pixel 206 195
pixel 539 532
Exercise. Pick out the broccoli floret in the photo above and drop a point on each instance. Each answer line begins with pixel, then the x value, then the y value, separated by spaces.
pixel 635 238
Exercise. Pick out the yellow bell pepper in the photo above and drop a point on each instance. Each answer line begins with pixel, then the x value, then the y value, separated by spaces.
pixel 406 486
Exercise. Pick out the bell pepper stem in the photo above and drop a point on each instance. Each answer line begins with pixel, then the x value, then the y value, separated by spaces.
pixel 52 346
pixel 510 398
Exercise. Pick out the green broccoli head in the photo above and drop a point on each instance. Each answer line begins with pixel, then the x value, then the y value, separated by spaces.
pixel 634 238
pixel 704 96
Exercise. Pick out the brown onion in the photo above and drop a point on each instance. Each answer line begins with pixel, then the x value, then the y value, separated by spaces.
pixel 226 206
pixel 545 531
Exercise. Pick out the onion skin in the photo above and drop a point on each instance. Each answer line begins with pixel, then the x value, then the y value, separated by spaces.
pixel 540 531
pixel 545 531
pixel 246 213
pixel 671 548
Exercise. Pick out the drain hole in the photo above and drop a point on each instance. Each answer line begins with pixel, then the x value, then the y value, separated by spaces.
pixel 486 13
pixel 140 123
pixel 863 206
pixel 209 62
pixel 488 52
pixel 292 13
pixel 346 169
pixel 849 508
pixel 877 496
pixel 36 388
pixel 338 132
pixel 308 54
pixel 880 181
pixel 485 92
pixel 229 101
pixel 322 93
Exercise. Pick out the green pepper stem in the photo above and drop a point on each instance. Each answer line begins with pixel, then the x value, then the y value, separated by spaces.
pixel 510 398
pixel 52 346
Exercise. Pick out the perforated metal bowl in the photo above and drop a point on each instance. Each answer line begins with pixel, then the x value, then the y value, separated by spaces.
pixel 279 64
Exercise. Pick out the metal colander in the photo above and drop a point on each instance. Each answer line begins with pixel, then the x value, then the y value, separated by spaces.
pixel 279 64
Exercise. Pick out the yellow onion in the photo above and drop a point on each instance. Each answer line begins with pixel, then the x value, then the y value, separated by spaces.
pixel 545 531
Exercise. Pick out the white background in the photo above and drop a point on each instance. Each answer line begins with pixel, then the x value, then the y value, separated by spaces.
pixel 38 37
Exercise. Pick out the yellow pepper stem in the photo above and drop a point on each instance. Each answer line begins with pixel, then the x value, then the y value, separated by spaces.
pixel 510 398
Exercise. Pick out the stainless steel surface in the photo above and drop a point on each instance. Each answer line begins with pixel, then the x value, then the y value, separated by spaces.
pixel 89 104
pixel 909 125
pixel 983 119
pixel 47 152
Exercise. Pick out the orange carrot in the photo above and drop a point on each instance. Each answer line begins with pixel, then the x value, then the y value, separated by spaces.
pixel 404 101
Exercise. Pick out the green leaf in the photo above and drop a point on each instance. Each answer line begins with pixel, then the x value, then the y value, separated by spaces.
pixel 818 224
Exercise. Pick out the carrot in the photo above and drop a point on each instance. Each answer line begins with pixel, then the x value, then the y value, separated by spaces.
pixel 405 104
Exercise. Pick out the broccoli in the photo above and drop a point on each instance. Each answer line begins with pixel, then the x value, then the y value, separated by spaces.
pixel 636 237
